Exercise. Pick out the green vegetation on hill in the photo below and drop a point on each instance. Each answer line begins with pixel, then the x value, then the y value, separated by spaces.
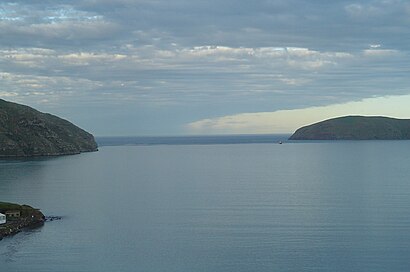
pixel 25 131
pixel 25 210
pixel 356 128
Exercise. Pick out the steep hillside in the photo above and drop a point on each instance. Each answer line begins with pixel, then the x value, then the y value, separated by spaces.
pixel 25 131
pixel 355 128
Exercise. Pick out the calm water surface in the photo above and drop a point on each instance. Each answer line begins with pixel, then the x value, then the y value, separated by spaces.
pixel 340 206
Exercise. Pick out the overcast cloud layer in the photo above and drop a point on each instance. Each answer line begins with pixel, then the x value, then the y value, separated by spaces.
pixel 130 67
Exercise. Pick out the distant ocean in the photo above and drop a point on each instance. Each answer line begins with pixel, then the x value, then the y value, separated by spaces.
pixel 193 140
pixel 214 203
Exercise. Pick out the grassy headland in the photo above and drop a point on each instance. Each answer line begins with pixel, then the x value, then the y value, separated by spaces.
pixel 356 128
pixel 28 217
pixel 26 132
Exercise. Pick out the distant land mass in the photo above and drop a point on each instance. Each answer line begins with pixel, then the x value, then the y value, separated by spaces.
pixel 356 128
pixel 26 132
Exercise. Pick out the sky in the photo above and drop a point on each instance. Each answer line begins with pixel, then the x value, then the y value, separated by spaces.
pixel 160 67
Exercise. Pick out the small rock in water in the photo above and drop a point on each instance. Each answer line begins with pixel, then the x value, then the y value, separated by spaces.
pixel 52 218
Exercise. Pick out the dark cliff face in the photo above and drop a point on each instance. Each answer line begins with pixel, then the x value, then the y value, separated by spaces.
pixel 356 128
pixel 25 131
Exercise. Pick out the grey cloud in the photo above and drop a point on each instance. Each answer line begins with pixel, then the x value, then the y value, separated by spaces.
pixel 314 24
pixel 208 57
pixel 201 74
pixel 64 31
pixel 43 26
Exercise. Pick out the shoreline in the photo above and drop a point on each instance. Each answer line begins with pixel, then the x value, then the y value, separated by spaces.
pixel 29 218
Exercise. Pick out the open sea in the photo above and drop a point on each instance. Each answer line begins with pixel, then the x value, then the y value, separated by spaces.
pixel 214 204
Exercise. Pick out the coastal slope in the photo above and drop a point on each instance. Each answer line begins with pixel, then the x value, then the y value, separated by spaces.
pixel 356 128
pixel 26 132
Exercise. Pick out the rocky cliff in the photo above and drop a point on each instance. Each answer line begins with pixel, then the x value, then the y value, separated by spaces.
pixel 25 131
pixel 356 128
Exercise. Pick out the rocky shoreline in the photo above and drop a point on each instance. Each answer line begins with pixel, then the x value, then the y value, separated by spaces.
pixel 29 218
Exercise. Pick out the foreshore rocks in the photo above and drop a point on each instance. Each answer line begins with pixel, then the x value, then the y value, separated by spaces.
pixel 29 218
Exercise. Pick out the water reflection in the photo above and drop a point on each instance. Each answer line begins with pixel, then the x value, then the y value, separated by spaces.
pixel 294 207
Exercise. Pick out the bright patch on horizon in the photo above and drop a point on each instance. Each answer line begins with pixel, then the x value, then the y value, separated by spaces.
pixel 287 121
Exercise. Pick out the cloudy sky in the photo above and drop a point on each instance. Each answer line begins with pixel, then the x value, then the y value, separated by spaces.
pixel 160 67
